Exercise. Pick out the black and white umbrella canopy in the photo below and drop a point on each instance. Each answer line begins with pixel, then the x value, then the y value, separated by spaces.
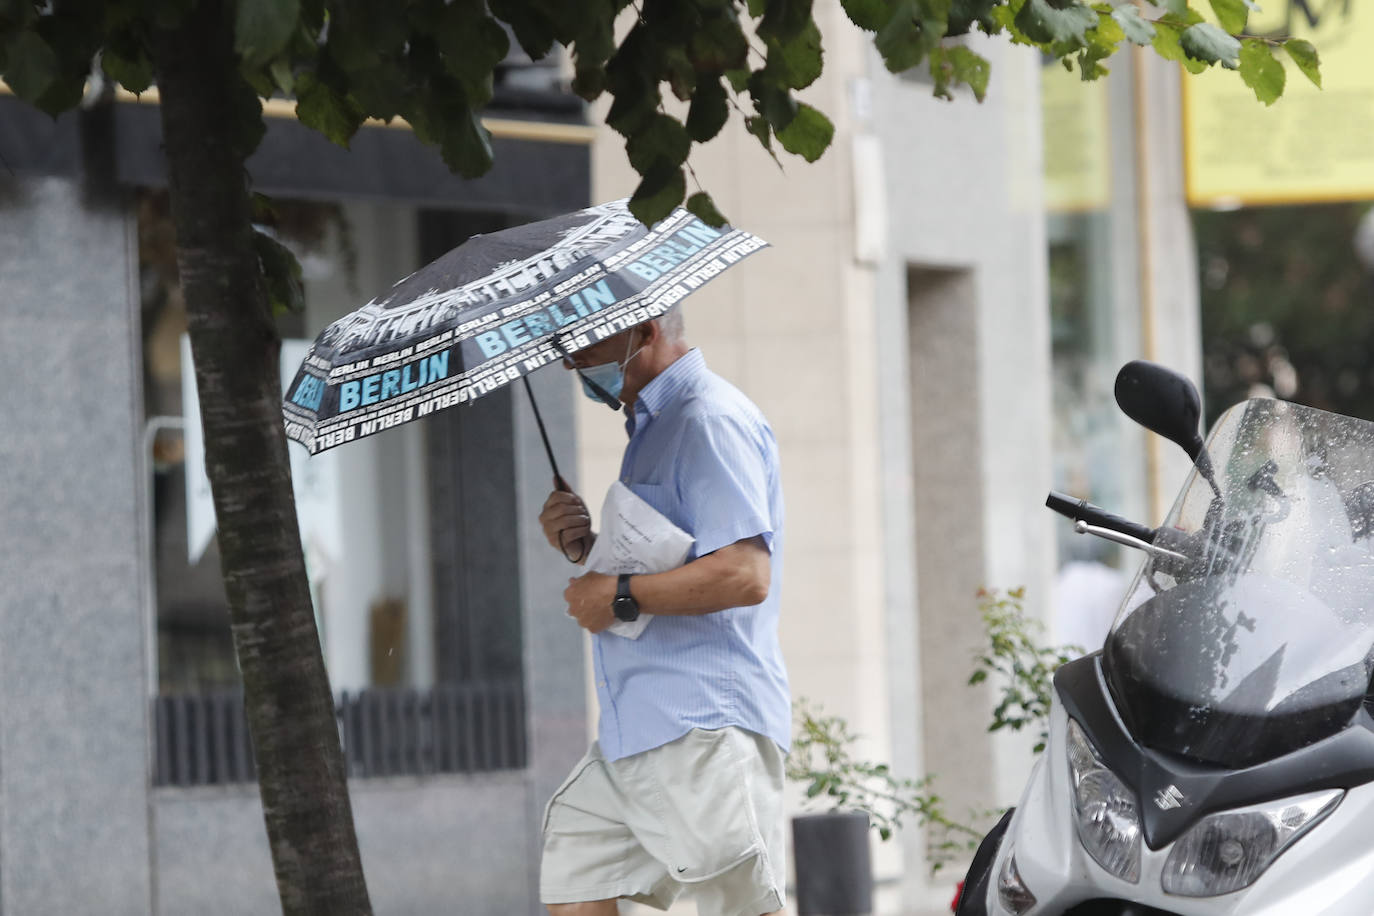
pixel 495 308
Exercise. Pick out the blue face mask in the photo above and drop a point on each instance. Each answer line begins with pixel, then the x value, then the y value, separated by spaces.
pixel 609 378
pixel 603 383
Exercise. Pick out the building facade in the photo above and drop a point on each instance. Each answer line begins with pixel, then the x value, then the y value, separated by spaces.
pixel 929 336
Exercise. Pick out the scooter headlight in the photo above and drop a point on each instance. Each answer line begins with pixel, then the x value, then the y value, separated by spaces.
pixel 1105 811
pixel 1228 851
pixel 1012 892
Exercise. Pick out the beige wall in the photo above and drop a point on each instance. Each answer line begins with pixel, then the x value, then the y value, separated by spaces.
pixel 962 281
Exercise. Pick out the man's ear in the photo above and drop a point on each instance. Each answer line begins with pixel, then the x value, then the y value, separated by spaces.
pixel 648 332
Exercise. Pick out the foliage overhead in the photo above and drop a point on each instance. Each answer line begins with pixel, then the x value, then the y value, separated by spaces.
pixel 673 76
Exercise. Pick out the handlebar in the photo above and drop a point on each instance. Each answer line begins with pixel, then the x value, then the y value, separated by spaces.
pixel 1082 510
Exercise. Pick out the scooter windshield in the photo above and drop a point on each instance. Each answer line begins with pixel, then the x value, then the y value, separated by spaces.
pixel 1261 641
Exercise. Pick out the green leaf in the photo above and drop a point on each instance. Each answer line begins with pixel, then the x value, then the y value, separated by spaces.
pixel 466 144
pixel 658 194
pixel 807 134
pixel 663 142
pixel 17 12
pixel 472 45
pixel 588 83
pixel 772 100
pixel 956 64
pixel 1304 55
pixel 1137 30
pixel 1057 22
pixel 971 69
pixel 281 274
pixel 633 107
pixel 1206 42
pixel 719 44
pixel 282 75
pixel 703 207
pixel 1232 14
pixel 320 107
pixel 908 36
pixel 31 66
pixel 871 15
pixel 1261 71
pixel 382 92
pixel 631 80
pixel 680 73
pixel 784 19
pixel 590 50
pixel 709 111
pixel 1166 42
pixel 758 126
pixel 1107 34
pixel 133 73
pixel 263 27
pixel 531 25
pixel 797 61
pixel 965 14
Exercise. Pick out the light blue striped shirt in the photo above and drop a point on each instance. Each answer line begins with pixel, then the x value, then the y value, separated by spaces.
pixel 701 453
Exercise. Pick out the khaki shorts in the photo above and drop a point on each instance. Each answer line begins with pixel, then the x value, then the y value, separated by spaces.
pixel 703 813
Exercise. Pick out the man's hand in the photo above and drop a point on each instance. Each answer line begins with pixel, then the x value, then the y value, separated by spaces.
pixel 589 599
pixel 567 524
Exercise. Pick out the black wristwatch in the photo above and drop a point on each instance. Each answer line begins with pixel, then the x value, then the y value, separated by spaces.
pixel 624 605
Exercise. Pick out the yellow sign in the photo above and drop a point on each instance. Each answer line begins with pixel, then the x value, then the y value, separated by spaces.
pixel 1311 145
pixel 1077 142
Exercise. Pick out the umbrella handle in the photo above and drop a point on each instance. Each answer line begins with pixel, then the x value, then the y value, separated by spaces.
pixel 581 543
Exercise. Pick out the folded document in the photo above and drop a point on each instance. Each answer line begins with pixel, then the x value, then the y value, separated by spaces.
pixel 635 538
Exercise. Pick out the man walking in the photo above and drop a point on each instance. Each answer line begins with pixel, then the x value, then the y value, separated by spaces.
pixel 683 787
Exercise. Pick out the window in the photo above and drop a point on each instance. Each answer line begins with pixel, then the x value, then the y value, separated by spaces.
pixel 408 535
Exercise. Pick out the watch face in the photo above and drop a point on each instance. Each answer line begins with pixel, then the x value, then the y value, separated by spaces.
pixel 625 608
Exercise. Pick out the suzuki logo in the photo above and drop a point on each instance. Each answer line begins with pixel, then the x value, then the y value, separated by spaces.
pixel 1169 797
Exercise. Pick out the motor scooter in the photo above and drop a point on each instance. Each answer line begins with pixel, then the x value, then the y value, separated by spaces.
pixel 1216 755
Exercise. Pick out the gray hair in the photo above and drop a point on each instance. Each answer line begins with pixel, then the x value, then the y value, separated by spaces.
pixel 670 324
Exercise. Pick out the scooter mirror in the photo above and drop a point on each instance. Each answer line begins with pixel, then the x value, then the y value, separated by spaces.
pixel 1163 401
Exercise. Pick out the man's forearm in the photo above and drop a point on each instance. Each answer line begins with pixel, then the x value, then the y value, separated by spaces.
pixel 734 576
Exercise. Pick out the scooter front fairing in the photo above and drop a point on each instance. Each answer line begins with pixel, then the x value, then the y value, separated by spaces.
pixel 1217 756
pixel 1328 871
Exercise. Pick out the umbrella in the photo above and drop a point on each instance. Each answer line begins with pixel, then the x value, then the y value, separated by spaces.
pixel 495 308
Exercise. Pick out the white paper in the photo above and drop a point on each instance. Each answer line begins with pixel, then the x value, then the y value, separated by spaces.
pixel 635 538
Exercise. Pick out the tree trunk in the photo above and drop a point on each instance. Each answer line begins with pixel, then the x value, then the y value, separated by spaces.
pixel 211 120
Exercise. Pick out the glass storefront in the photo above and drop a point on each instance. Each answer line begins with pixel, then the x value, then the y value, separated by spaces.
pixel 1095 327
pixel 409 536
